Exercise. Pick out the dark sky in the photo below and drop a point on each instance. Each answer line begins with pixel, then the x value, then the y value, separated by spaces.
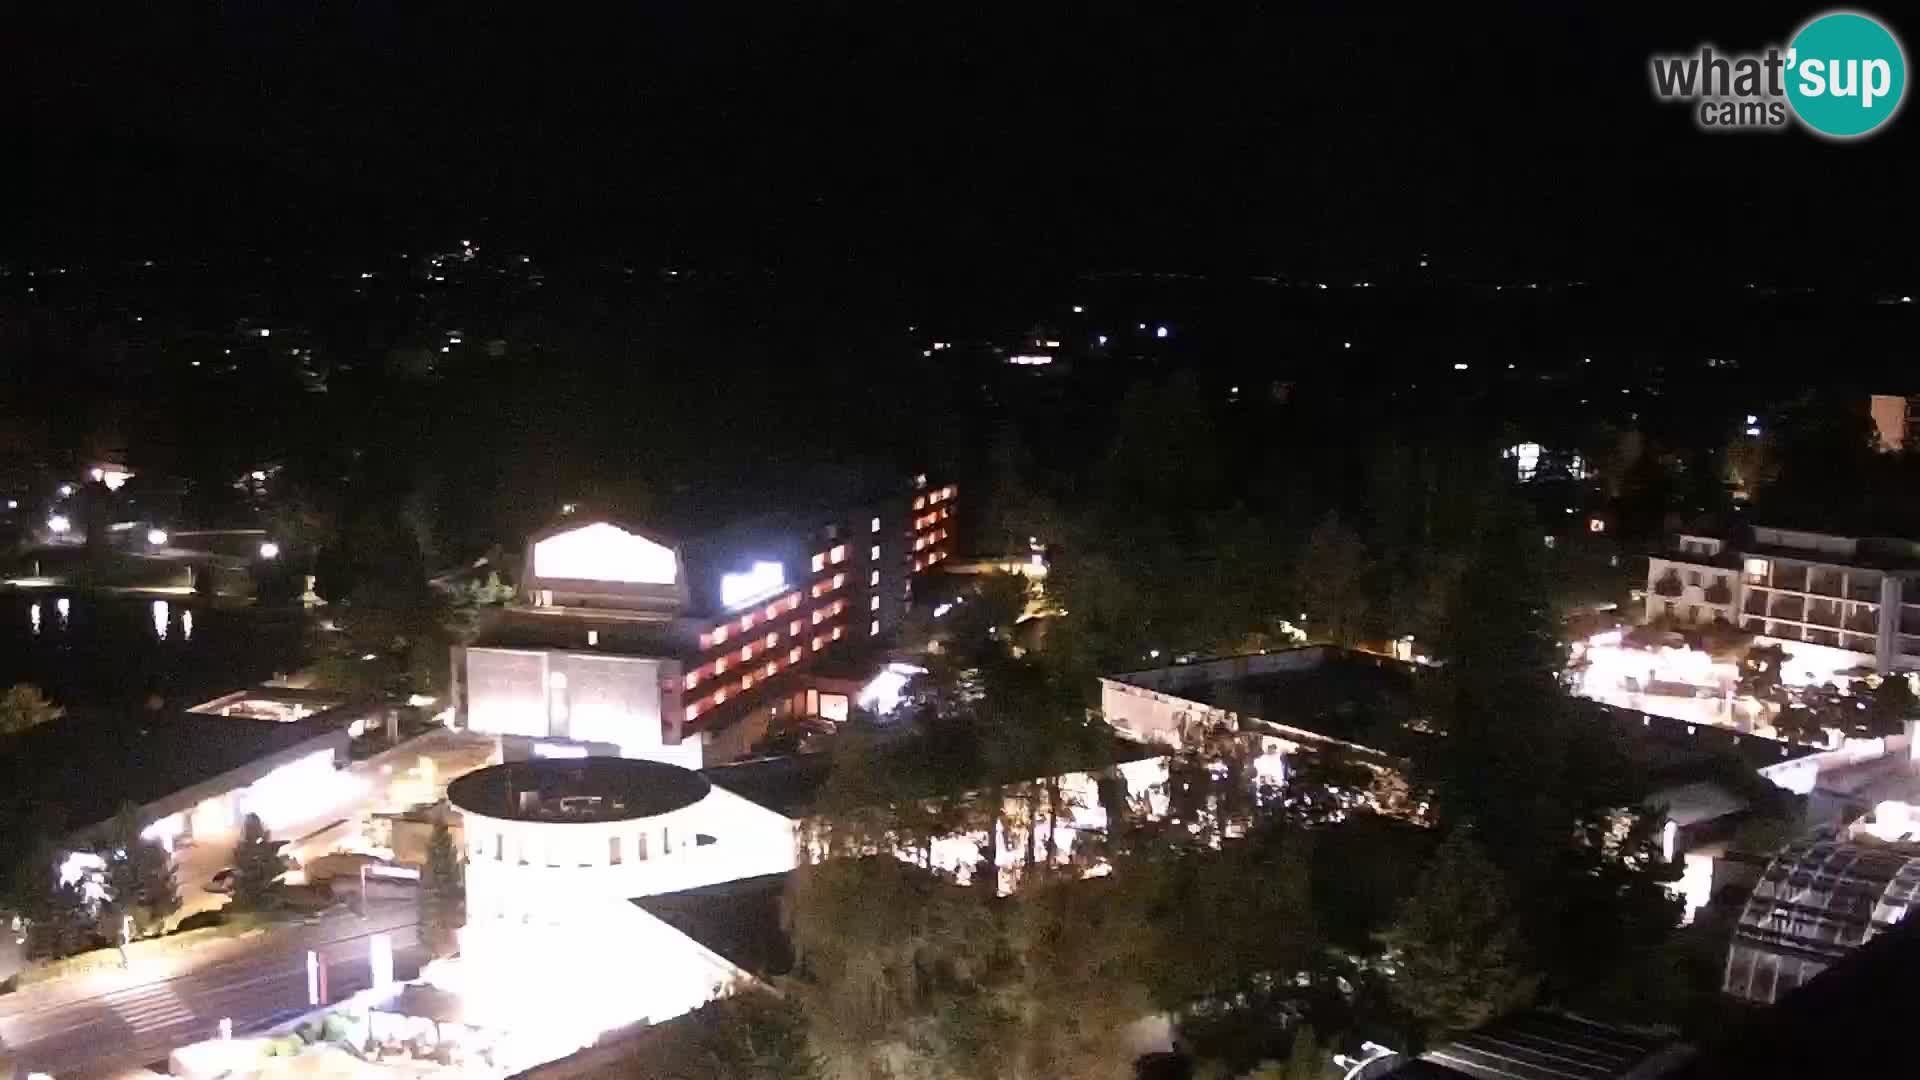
pixel 946 139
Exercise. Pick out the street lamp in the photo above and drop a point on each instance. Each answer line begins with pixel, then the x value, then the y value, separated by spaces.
pixel 269 550
pixel 157 537
pixel 59 525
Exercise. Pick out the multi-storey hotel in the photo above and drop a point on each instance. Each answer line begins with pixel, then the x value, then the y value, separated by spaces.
pixel 626 642
pixel 1839 592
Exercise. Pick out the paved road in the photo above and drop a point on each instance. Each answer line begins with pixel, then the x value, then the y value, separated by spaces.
pixel 94 1024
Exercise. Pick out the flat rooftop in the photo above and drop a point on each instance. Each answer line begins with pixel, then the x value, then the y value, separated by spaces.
pixel 740 920
pixel 791 783
pixel 617 632
pixel 92 761
pixel 1341 694
pixel 577 790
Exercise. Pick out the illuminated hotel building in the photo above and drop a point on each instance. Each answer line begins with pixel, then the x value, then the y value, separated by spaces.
pixel 1843 599
pixel 624 642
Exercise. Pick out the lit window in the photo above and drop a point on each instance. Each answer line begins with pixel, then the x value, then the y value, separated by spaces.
pixel 920 503
pixel 817 642
pixel 839 580
pixel 746 683
pixel 873 553
pixel 873 603
pixel 838 555
pixel 692 711
pixel 746 623
pixel 772 640
pixel 873 628
pixel 720 666
pixel 793 628
pixel 693 679
pixel 793 655
pixel 771 667
pixel 719 635
pixel 819 616
pixel 875 526
pixel 873 578
pixel 836 633
pixel 719 696
pixel 819 562
pixel 918 566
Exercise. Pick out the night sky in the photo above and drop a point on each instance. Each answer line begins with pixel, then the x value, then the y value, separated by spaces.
pixel 948 143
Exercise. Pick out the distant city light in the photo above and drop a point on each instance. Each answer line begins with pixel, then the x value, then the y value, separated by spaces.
pixel 66 490
pixel 1030 360
pixel 157 537
pixel 1346 344
pixel 1078 309
pixel 1752 419
pixel 1160 332
pixel 269 550
pixel 59 525
pixel 13 504
pixel 1103 339
pixel 1460 367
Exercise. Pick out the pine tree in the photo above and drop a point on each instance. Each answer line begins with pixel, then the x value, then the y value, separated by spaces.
pixel 257 867
pixel 443 893
pixel 1455 946
pixel 139 879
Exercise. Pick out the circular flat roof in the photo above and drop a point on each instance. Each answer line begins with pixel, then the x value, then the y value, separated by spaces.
pixel 569 790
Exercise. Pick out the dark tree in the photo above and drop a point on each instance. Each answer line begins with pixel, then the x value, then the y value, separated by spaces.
pixel 139 879
pixel 257 867
pixel 443 893
pixel 1889 706
pixel 1457 954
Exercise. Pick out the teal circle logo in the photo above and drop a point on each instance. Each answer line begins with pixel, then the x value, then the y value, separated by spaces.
pixel 1845 74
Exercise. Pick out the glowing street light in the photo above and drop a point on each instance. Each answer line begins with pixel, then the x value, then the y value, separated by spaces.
pixel 269 550
pixel 59 525
pixel 157 537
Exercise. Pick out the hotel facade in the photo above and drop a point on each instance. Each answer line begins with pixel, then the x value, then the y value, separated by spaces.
pixel 629 643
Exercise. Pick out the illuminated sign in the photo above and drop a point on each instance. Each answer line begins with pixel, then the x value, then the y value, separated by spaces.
pixel 752 586
pixel 604 552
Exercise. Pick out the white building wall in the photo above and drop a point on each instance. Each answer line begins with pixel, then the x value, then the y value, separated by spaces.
pixel 517 870
pixel 1692 605
pixel 1155 717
